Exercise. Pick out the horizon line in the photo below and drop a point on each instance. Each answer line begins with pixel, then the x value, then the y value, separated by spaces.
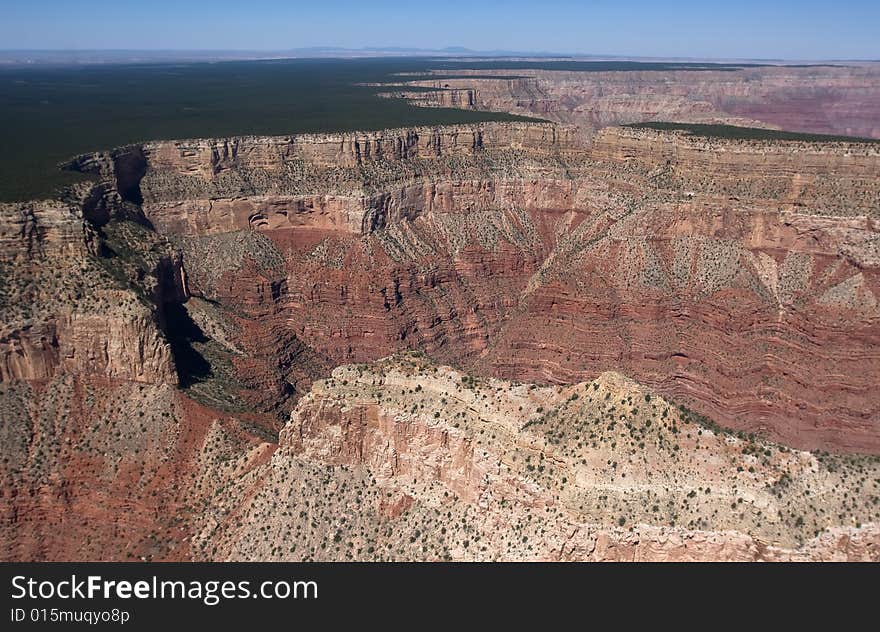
pixel 401 51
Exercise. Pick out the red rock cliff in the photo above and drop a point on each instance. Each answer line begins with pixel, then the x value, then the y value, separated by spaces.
pixel 740 277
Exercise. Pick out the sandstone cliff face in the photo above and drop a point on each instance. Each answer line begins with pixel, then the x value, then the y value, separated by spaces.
pixel 811 178
pixel 310 180
pixel 103 457
pixel 60 309
pixel 352 149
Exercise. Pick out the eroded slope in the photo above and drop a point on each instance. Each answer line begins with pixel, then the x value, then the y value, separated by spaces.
pixel 738 276
pixel 402 459
pixel 160 327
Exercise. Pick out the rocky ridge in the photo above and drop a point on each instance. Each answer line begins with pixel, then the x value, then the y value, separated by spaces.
pixel 405 460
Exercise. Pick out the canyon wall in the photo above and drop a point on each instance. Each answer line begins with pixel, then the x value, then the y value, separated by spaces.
pixel 103 457
pixel 60 312
pixel 161 326
pixel 830 99
pixel 738 276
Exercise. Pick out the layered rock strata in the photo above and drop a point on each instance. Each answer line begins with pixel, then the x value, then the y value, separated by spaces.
pixel 739 276
pixel 404 460
pixel 829 99
pixel 160 325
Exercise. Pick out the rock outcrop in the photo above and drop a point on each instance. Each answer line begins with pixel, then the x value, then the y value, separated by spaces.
pixel 63 311
pixel 103 457
pixel 422 462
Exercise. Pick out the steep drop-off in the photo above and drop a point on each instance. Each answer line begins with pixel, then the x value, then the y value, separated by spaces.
pixel 102 456
pixel 738 276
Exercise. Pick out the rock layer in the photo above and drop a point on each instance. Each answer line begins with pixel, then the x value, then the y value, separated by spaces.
pixel 829 99
pixel 738 276
pixel 422 462
pixel 158 326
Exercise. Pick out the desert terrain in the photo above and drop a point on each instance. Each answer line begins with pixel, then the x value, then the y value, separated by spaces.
pixel 574 338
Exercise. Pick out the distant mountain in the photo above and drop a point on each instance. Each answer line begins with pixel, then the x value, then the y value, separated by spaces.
pixel 76 57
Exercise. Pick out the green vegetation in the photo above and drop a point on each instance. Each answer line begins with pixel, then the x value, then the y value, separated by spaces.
pixel 50 114
pixel 747 133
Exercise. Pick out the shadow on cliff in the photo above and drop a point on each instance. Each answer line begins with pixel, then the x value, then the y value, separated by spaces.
pixel 182 334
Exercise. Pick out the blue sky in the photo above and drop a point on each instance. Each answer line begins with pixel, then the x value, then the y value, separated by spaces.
pixel 746 28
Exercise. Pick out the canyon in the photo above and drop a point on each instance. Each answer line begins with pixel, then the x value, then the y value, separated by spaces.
pixel 563 340
pixel 708 270
pixel 833 98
